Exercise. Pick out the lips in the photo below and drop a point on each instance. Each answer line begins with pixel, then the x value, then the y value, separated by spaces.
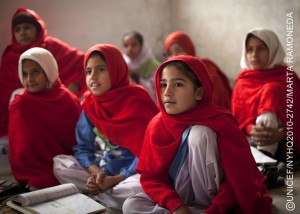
pixel 94 86
pixel 32 85
pixel 169 103
pixel 25 39
pixel 255 62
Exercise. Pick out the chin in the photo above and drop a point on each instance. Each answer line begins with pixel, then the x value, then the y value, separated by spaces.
pixel 171 112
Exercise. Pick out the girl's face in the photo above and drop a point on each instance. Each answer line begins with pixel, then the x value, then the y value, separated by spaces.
pixel 97 75
pixel 25 33
pixel 132 47
pixel 33 76
pixel 257 53
pixel 175 50
pixel 177 92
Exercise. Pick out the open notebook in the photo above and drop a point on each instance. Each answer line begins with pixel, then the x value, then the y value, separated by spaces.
pixel 61 199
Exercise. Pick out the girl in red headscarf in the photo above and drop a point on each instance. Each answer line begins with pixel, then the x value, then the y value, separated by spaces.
pixel 262 101
pixel 179 43
pixel 29 30
pixel 43 120
pixel 190 161
pixel 117 114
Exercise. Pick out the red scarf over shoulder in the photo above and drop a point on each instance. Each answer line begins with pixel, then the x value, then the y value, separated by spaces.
pixel 41 126
pixel 122 113
pixel 259 91
pixel 69 62
pixel 243 183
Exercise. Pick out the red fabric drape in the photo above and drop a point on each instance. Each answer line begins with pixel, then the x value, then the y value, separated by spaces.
pixel 243 184
pixel 122 113
pixel 69 62
pixel 256 92
pixel 222 90
pixel 41 126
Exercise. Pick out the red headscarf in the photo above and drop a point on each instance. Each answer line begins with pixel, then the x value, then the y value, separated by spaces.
pixel 257 92
pixel 122 113
pixel 181 39
pixel 41 126
pixel 69 61
pixel 241 187
pixel 222 89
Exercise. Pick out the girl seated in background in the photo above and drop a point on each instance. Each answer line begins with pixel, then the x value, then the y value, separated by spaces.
pixel 115 112
pixel 42 120
pixel 28 30
pixel 140 60
pixel 259 95
pixel 179 43
pixel 190 161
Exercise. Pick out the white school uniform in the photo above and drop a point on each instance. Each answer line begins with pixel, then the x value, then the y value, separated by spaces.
pixel 198 180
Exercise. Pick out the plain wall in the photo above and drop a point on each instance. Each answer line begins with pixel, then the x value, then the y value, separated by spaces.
pixel 85 23
pixel 217 27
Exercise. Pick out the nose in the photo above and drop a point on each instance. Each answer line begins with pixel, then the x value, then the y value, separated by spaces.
pixel 172 54
pixel 22 31
pixel 30 77
pixel 168 91
pixel 94 74
pixel 255 52
pixel 130 50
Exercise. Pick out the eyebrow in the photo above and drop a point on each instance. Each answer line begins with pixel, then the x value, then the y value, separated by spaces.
pixel 33 69
pixel 97 66
pixel 174 79
pixel 260 45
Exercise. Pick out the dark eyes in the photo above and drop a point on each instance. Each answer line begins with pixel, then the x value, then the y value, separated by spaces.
pixel 88 71
pixel 176 84
pixel 133 45
pixel 98 70
pixel 260 48
pixel 24 27
pixel 163 85
pixel 33 73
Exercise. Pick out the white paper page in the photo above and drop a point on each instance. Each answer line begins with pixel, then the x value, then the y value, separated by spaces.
pixel 47 194
pixel 260 157
pixel 72 204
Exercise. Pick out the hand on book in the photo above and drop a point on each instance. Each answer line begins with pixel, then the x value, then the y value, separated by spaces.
pixel 99 183
pixel 94 182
